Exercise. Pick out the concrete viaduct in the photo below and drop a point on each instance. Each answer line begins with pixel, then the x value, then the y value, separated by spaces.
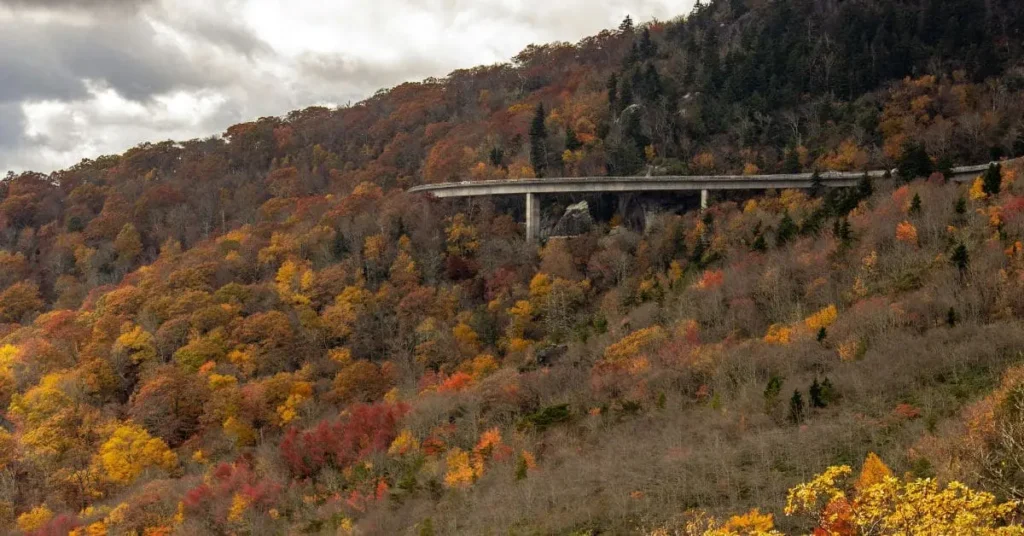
pixel 533 188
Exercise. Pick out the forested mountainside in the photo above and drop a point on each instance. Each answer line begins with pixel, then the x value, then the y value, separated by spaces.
pixel 261 333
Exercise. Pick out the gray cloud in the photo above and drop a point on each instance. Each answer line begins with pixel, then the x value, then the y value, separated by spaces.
pixel 76 5
pixel 89 77
pixel 12 125
pixel 228 34
pixel 51 61
pixel 356 72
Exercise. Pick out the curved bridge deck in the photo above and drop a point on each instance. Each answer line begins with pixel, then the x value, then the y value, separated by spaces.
pixel 703 183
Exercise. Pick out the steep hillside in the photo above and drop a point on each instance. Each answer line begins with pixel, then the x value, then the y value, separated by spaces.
pixel 262 333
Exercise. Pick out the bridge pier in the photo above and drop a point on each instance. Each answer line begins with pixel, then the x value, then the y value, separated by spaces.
pixel 704 199
pixel 532 217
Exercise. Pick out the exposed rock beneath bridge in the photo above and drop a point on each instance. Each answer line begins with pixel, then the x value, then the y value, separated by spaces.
pixel 576 221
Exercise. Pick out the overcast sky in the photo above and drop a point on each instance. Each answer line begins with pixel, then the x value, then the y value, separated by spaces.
pixel 83 78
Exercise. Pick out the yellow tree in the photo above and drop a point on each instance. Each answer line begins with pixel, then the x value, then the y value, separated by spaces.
pixel 461 473
pixel 463 239
pixel 822 319
pixel 130 450
pixel 34 519
pixel 294 281
pixel 135 343
pixel 879 503
pixel 874 472
pixel 128 246
pixel 403 273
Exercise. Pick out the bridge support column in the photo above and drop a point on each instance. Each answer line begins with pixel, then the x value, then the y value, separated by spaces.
pixel 532 217
pixel 703 199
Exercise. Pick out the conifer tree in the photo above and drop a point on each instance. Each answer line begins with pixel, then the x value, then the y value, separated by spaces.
pixel 613 92
pixel 760 244
pixel 864 187
pixel 828 391
pixel 960 258
pixel 817 401
pixel 993 180
pixel 914 162
pixel 915 204
pixel 539 142
pixel 792 162
pixel 845 234
pixel 627 25
pixel 497 157
pixel 817 187
pixel 572 143
pixel 961 206
pixel 771 394
pixel 796 408
pixel 786 231
pixel 648 48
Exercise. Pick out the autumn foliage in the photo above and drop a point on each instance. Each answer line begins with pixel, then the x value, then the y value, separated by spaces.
pixel 264 332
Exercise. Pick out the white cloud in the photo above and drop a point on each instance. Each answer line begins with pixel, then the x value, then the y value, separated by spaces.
pixel 182 69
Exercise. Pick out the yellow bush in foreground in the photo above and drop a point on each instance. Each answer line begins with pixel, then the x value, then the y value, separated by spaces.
pixel 874 503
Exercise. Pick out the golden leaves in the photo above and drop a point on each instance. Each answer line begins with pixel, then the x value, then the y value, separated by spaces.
pixel 35 518
pixel 462 237
pixel 823 318
pixel 635 343
pixel 874 472
pixel 460 473
pixel 779 334
pixel 130 450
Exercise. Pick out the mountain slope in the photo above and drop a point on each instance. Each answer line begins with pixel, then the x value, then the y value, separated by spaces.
pixel 263 333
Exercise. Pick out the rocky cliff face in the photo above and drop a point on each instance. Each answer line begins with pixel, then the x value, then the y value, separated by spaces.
pixel 576 221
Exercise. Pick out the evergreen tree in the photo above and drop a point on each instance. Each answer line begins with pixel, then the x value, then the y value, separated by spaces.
pixel 539 142
pixel 792 162
pixel 944 165
pixel 992 181
pixel 572 143
pixel 771 394
pixel 914 162
pixel 817 187
pixel 625 95
pixel 626 26
pixel 828 392
pixel 864 187
pixel 960 258
pixel 961 206
pixel 822 334
pixel 952 317
pixel 648 48
pixel 796 408
pixel 817 400
pixel 845 234
pixel 632 57
pixel 812 224
pixel 613 92
pixel 915 204
pixel 650 84
pixel 786 231
pixel 497 157
pixel 760 244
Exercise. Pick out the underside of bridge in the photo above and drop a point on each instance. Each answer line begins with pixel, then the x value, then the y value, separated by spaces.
pixel 629 188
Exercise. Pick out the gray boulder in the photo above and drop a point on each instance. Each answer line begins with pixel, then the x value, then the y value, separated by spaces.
pixel 576 221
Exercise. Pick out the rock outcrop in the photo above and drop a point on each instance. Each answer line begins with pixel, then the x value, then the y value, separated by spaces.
pixel 576 221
